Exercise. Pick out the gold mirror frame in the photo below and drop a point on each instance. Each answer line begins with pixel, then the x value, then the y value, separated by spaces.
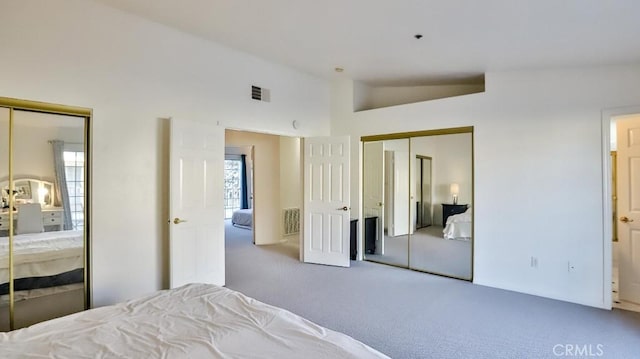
pixel 437 132
pixel 49 108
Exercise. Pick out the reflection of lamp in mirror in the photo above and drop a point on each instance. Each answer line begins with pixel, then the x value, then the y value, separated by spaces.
pixel 42 195
pixel 454 189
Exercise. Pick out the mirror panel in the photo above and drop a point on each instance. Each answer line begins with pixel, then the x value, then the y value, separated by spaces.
pixel 48 172
pixel 442 241
pixel 386 201
pixel 4 221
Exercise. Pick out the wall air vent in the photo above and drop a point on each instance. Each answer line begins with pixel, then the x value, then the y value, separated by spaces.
pixel 260 94
pixel 291 217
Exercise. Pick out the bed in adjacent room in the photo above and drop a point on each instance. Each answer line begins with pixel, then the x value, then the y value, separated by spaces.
pixel 243 218
pixel 193 321
pixel 459 226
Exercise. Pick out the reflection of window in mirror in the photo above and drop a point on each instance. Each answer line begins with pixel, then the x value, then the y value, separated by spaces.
pixel 74 169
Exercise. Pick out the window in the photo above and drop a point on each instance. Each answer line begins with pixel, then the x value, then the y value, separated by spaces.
pixel 74 171
pixel 232 186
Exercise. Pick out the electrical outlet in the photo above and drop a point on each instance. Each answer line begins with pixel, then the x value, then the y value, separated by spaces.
pixel 570 267
pixel 534 262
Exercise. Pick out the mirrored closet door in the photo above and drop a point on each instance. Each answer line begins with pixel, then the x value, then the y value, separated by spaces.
pixel 44 213
pixel 418 199
pixel 386 201
pixel 442 241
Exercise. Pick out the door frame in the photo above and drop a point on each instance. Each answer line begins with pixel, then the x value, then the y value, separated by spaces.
pixel 255 193
pixel 422 158
pixel 607 206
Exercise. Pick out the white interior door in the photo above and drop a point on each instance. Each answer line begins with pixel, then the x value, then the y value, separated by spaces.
pixel 326 201
pixel 401 193
pixel 196 205
pixel 373 200
pixel 628 192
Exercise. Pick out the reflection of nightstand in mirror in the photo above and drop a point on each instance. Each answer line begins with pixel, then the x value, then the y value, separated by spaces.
pixel 450 210
pixel 51 219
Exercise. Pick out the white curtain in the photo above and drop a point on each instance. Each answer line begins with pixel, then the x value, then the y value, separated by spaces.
pixel 62 193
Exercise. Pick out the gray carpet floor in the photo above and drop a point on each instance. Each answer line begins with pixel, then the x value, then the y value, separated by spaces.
pixel 429 252
pixel 408 314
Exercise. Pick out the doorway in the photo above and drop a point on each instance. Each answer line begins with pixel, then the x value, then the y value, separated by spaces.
pixel 625 184
pixel 273 190
pixel 423 192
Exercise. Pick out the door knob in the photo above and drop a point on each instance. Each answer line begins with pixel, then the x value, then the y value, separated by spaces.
pixel 178 220
pixel 379 204
pixel 345 208
pixel 625 220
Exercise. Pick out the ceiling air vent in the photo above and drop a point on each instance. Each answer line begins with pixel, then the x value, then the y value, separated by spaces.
pixel 260 94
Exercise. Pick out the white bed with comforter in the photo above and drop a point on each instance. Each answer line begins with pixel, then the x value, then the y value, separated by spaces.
pixel 243 218
pixel 459 226
pixel 193 321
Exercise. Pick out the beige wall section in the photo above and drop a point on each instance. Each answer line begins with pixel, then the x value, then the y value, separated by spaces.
pixel 266 194
pixel 290 179
pixel 372 97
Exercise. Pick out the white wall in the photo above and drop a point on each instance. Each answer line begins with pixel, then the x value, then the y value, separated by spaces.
pixel 290 180
pixel 538 171
pixel 131 72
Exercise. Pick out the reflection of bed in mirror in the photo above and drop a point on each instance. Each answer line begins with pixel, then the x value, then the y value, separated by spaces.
pixel 458 226
pixel 45 264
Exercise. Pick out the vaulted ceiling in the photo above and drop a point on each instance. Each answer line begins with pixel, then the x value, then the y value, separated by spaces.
pixel 374 41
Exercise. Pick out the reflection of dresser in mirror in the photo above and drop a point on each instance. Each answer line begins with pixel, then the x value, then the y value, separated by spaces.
pixel 51 219
pixel 31 190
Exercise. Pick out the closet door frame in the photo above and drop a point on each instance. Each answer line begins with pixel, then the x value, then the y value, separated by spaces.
pixel 409 136
pixel 14 104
